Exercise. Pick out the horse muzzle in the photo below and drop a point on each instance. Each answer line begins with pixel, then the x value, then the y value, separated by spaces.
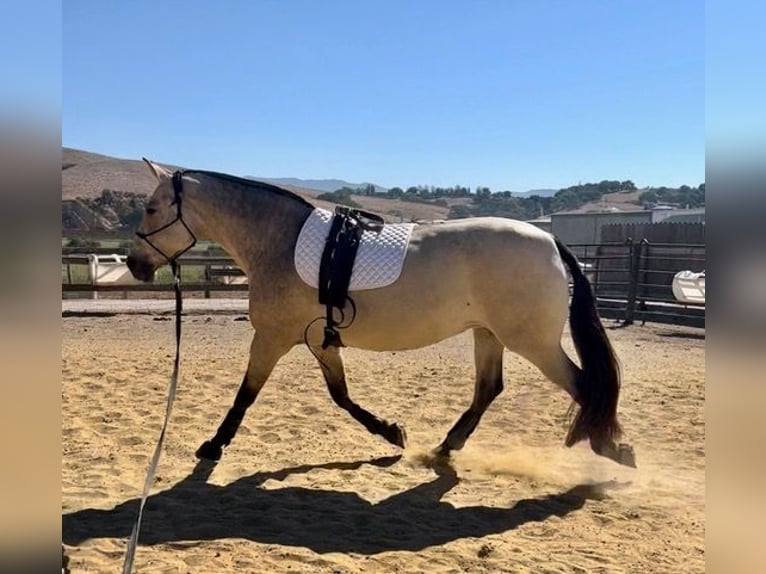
pixel 141 270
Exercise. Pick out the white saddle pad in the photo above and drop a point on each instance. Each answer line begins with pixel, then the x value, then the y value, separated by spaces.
pixel 378 261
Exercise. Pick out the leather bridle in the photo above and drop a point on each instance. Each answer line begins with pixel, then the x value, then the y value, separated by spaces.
pixel 177 198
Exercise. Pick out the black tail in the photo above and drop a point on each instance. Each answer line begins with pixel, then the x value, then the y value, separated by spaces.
pixel 598 386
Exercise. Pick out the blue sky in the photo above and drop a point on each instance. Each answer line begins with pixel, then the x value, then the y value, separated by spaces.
pixel 508 94
pixel 735 86
pixel 30 59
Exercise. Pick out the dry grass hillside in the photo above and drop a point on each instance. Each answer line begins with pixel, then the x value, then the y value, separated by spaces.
pixel 621 200
pixel 86 175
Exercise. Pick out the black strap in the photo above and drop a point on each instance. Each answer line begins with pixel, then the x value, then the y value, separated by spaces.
pixel 337 264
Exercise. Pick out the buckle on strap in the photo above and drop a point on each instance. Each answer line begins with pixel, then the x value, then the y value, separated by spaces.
pixel 364 219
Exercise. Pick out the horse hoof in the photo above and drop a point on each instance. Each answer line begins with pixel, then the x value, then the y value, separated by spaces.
pixel 442 453
pixel 209 451
pixel 400 438
pixel 626 456
pixel 396 435
pixel 438 458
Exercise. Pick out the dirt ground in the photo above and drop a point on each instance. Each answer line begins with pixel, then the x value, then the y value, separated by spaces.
pixel 304 488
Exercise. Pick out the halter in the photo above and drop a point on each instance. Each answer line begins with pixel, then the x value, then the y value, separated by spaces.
pixel 177 196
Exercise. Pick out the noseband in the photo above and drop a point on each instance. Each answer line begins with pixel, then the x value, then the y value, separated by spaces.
pixel 177 196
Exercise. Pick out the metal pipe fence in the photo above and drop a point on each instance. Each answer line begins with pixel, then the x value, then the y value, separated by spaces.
pixel 632 281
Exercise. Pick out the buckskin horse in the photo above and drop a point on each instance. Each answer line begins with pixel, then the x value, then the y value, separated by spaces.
pixel 504 279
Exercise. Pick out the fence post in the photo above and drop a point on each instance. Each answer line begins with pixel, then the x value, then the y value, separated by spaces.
pixel 596 270
pixel 643 249
pixel 630 306
pixel 93 273
pixel 208 280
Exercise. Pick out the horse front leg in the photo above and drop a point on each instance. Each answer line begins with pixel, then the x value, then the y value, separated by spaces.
pixel 331 363
pixel 488 356
pixel 264 354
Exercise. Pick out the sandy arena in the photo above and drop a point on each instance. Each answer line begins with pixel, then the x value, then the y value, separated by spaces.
pixel 304 488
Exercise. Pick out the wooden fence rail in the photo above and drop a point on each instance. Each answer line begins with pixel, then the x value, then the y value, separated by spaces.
pixel 206 273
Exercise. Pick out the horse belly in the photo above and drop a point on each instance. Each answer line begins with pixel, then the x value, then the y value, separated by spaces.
pixel 491 274
pixel 403 323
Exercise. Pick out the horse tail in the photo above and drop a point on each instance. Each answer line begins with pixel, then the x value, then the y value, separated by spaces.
pixel 598 382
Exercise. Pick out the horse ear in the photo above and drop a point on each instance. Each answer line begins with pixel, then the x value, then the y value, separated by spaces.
pixel 159 172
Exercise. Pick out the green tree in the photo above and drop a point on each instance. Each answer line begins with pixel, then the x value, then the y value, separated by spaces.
pixel 341 196
pixel 459 212
pixel 83 243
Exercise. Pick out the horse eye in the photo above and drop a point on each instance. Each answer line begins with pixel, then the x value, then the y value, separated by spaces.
pixel 150 211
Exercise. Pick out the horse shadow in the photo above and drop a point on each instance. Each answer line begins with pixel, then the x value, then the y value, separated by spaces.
pixel 321 520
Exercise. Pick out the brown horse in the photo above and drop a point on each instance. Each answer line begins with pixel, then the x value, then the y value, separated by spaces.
pixel 504 279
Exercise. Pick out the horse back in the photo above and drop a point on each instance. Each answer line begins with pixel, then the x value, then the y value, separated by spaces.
pixel 486 242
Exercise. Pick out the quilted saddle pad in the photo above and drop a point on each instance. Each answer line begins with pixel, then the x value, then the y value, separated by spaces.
pixel 379 259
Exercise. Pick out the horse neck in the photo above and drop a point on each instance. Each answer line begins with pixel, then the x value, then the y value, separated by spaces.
pixel 255 226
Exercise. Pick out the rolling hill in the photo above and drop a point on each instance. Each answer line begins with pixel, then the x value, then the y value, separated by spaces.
pixel 104 196
pixel 322 185
pixel 86 210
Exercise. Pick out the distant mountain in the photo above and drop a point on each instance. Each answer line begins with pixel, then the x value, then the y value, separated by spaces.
pixel 317 184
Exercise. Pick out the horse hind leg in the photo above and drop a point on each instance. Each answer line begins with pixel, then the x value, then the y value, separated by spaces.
pixel 488 356
pixel 331 363
pixel 556 365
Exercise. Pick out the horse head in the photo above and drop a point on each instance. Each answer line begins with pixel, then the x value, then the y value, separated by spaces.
pixel 162 234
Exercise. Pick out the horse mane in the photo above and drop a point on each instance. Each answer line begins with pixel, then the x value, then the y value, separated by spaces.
pixel 252 183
